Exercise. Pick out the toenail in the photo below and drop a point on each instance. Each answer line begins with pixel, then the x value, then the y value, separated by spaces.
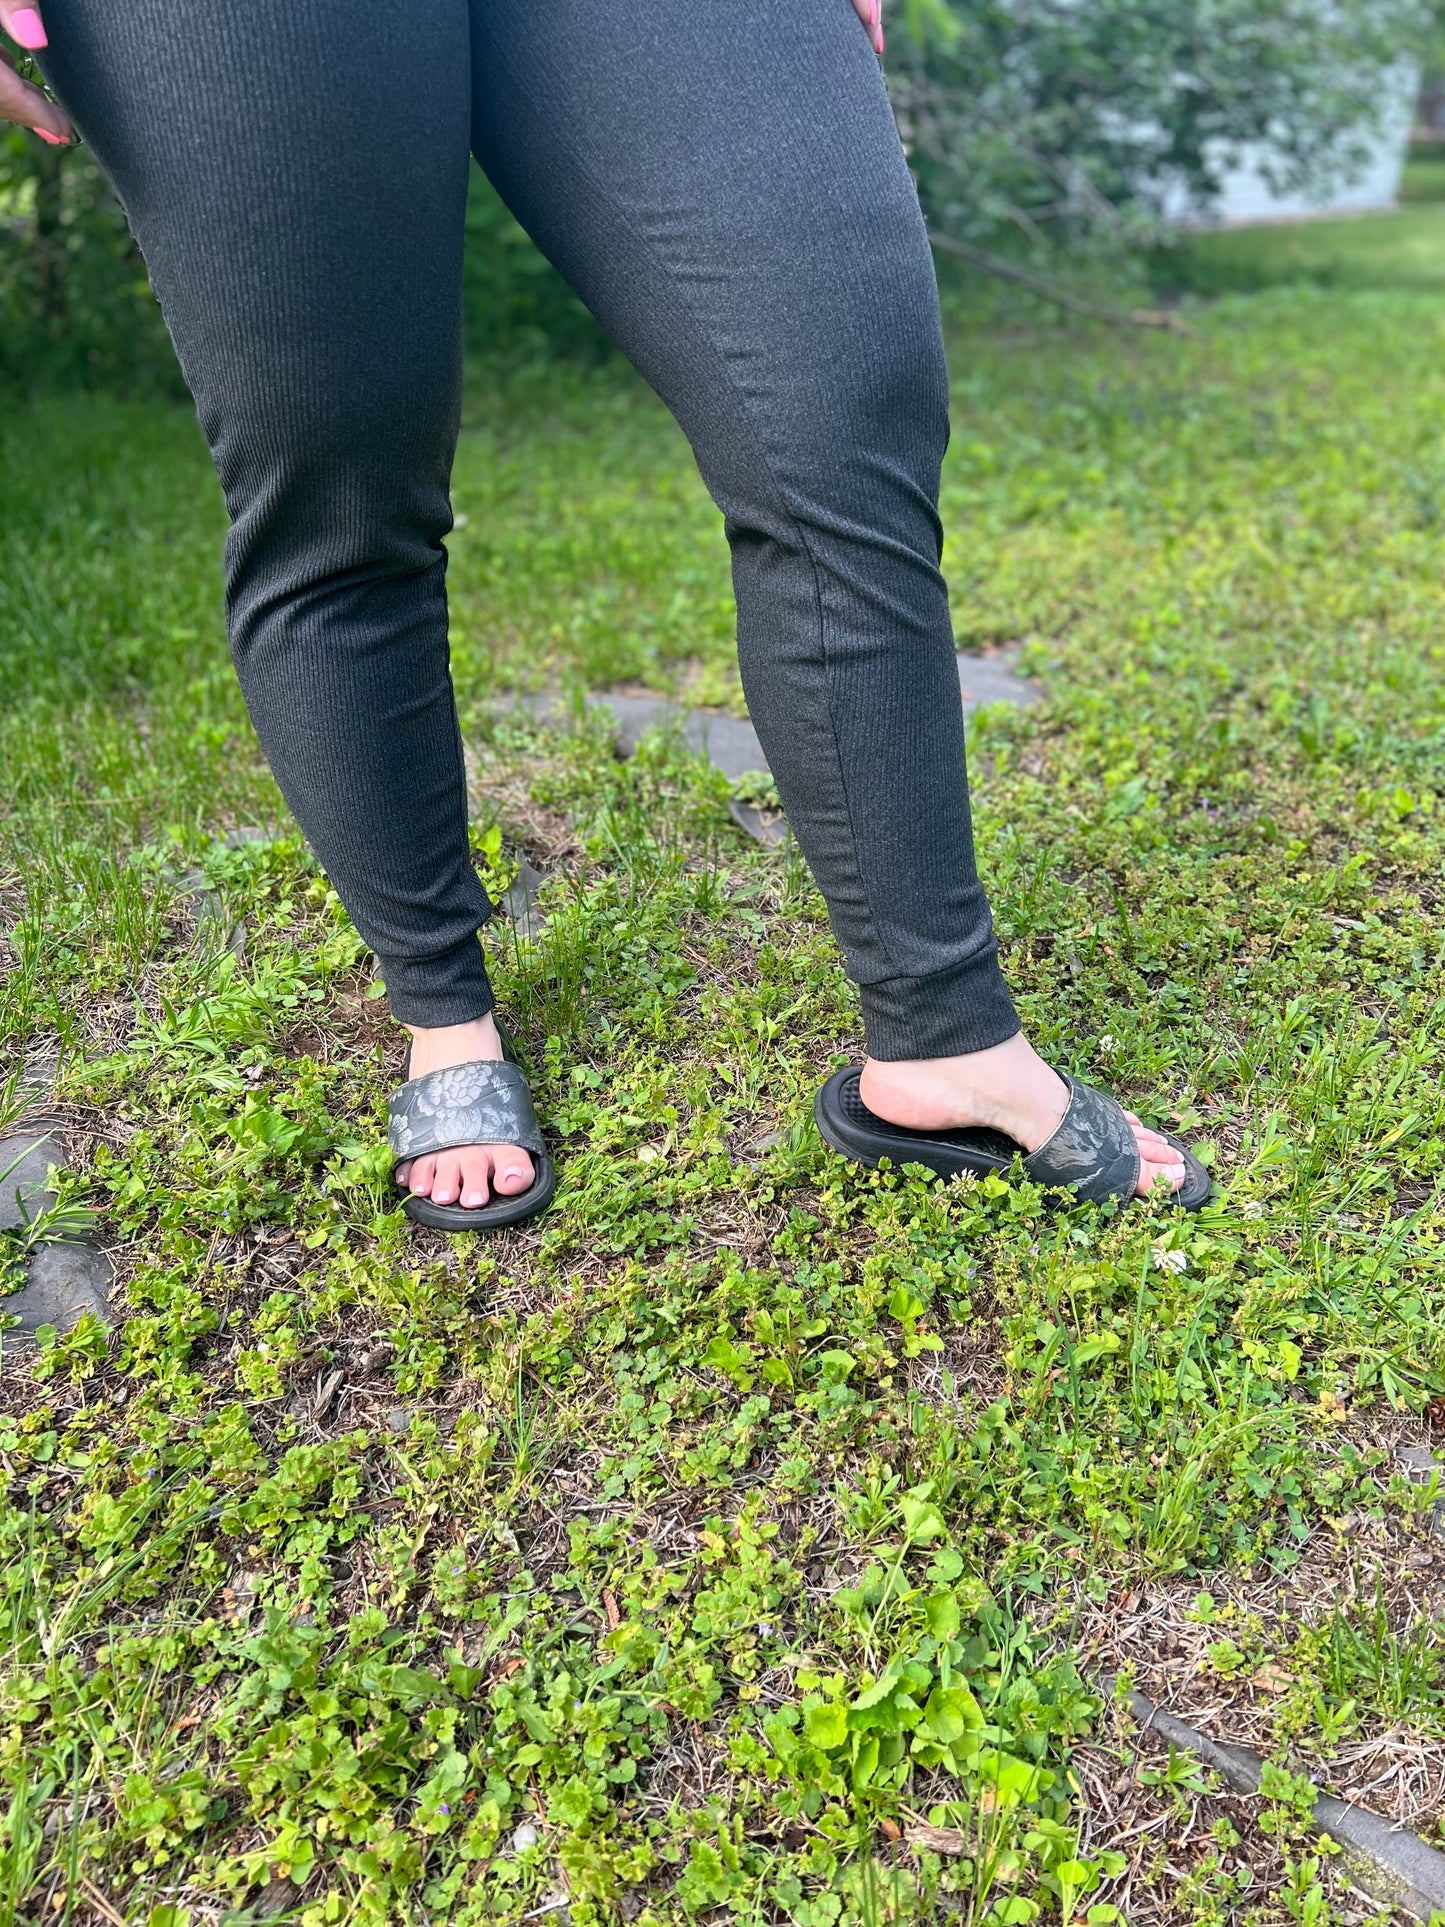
pixel 473 1199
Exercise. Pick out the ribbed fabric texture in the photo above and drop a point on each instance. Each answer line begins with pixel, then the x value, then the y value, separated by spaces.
pixel 725 188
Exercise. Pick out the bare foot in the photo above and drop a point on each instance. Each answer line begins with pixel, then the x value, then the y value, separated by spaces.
pixel 472 1172
pixel 1008 1088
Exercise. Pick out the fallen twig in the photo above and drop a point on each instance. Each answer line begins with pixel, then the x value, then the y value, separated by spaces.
pixel 995 264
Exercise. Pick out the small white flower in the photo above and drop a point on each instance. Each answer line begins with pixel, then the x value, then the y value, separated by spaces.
pixel 1108 1043
pixel 1166 1259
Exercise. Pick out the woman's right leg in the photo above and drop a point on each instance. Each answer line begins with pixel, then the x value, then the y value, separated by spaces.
pixel 296 177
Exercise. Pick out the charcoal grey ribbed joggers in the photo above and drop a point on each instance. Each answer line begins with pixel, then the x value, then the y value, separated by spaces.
pixel 723 185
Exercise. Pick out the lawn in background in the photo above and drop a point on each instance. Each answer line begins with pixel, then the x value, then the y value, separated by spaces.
pixel 1405 249
pixel 751 1537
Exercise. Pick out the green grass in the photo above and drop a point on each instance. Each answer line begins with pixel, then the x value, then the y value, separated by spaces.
pixel 1404 250
pixel 746 1509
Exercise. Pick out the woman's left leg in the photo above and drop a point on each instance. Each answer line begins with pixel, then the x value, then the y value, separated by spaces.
pixel 724 187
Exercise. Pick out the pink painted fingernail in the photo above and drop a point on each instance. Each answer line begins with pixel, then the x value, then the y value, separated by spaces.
pixel 55 140
pixel 28 29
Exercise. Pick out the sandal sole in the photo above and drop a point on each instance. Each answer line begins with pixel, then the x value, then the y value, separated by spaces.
pixel 846 1124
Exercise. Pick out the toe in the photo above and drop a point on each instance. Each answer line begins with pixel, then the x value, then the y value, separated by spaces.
pixel 475 1170
pixel 514 1171
pixel 418 1176
pixel 447 1184
pixel 1157 1159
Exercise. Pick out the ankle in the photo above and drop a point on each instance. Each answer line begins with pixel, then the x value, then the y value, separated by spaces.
pixel 437 1046
pixel 421 1031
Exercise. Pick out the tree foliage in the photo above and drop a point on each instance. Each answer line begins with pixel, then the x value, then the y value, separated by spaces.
pixel 1063 121
pixel 1059 124
pixel 74 301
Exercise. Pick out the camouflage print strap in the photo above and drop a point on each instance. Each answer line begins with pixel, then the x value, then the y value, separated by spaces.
pixel 1093 1153
pixel 481 1103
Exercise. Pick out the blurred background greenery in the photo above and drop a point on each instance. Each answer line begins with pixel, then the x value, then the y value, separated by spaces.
pixel 1067 139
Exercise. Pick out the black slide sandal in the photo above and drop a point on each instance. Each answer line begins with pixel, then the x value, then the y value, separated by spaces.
pixel 486 1102
pixel 1092 1153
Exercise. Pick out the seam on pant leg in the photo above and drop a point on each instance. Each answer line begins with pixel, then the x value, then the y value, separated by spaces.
pixel 739 405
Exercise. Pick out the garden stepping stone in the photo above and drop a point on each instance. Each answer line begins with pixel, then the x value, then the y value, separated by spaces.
pixel 25 1159
pixel 1420 1466
pixel 994 678
pixel 65 1276
pixel 769 827
pixel 210 911
pixel 731 744
pixel 520 901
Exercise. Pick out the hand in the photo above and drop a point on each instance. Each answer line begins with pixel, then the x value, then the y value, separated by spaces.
pixel 19 101
pixel 870 12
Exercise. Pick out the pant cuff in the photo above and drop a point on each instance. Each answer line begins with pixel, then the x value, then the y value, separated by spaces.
pixel 946 1015
pixel 452 988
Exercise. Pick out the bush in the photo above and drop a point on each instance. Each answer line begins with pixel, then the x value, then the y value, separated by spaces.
pixel 76 307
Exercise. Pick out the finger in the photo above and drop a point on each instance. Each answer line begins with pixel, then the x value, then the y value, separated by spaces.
pixel 28 107
pixel 21 20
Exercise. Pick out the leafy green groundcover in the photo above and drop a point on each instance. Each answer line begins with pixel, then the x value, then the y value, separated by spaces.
pixel 716 1546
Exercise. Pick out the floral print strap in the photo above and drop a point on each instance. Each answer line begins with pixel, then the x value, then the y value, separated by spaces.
pixel 481 1103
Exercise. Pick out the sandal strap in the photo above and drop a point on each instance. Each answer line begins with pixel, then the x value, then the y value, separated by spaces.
pixel 480 1103
pixel 1093 1152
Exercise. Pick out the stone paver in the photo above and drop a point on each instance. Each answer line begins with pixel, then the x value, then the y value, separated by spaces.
pixel 763 826
pixel 731 744
pixel 24 1159
pixel 210 911
pixel 520 902
pixel 994 678
pixel 64 1276
pixel 1420 1466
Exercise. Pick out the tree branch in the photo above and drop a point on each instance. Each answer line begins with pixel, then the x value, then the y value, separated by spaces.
pixel 1047 290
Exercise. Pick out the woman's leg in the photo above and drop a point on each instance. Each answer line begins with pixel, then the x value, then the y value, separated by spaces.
pixel 296 178
pixel 725 188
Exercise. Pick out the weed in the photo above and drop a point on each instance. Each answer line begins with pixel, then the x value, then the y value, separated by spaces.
pixel 702 1545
